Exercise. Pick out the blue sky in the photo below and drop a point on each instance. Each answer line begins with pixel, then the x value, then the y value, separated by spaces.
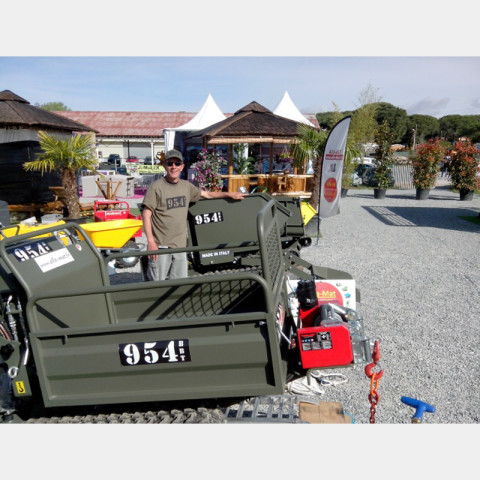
pixel 154 56
pixel 434 86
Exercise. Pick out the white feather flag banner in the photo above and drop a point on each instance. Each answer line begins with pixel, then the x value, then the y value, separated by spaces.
pixel 331 181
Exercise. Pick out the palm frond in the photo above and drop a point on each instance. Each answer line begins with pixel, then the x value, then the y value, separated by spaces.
pixel 308 144
pixel 58 154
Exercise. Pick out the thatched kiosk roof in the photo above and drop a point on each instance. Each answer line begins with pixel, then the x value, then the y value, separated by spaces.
pixel 16 112
pixel 251 124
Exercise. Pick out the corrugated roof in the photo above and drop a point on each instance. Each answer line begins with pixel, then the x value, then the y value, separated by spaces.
pixel 129 124
pixel 17 112
pixel 136 124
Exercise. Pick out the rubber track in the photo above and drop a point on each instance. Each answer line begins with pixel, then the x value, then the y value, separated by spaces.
pixel 187 415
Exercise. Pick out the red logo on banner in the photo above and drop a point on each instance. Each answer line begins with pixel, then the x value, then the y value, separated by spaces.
pixel 327 293
pixel 330 190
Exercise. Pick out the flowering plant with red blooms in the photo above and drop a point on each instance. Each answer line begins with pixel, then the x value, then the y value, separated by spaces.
pixel 426 163
pixel 207 171
pixel 465 166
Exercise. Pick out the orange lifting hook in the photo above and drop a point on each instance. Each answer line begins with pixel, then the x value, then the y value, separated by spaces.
pixel 370 366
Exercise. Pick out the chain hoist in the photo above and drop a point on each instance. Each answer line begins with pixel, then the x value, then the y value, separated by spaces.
pixel 374 397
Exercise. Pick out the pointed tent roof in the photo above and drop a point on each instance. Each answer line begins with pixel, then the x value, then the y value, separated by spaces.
pixel 253 123
pixel 286 108
pixel 15 111
pixel 208 115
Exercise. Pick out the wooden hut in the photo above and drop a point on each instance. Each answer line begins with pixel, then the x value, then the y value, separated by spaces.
pixel 19 124
pixel 255 124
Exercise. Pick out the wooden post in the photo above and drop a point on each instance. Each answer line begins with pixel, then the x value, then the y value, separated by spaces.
pixel 116 189
pixel 230 159
pixel 101 188
pixel 271 158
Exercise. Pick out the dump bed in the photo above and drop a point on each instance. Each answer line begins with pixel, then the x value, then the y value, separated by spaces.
pixel 113 210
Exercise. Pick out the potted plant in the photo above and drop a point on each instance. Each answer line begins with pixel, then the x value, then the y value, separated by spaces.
pixel 464 168
pixel 426 165
pixel 66 156
pixel 383 159
pixel 207 171
pixel 243 165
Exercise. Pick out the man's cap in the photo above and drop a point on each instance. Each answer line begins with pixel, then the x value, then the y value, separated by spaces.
pixel 174 154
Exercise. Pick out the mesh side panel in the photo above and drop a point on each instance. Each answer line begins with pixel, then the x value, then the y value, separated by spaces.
pixel 274 253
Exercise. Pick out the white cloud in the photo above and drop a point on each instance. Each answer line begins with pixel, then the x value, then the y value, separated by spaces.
pixel 427 106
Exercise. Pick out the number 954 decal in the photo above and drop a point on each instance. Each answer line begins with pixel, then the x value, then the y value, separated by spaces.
pixel 149 353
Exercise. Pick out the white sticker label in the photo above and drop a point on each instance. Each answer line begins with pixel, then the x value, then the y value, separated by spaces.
pixel 54 259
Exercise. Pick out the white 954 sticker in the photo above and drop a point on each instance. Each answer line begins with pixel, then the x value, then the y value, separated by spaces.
pixel 148 353
pixel 205 218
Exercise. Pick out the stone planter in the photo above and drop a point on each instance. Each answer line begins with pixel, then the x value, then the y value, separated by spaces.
pixel 466 195
pixel 422 194
pixel 379 192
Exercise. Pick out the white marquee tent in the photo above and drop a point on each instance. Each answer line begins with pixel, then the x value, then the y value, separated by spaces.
pixel 208 115
pixel 287 109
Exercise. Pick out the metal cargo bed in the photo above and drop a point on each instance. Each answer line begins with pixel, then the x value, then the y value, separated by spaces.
pixel 205 336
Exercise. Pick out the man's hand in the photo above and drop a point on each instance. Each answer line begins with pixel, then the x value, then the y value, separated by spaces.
pixel 147 228
pixel 151 245
pixel 237 195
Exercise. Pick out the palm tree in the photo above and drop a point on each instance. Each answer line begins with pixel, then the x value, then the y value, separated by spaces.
pixel 67 157
pixel 309 144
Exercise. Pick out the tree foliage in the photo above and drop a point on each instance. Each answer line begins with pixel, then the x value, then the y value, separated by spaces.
pixel 352 151
pixel 465 165
pixel 453 127
pixel 396 118
pixel 425 126
pixel 53 106
pixel 426 163
pixel 364 124
pixel 329 119
pixel 383 154
pixel 372 112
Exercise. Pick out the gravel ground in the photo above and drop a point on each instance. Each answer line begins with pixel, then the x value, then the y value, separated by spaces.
pixel 416 264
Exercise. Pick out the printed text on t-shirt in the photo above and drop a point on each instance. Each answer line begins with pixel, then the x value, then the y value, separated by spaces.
pixel 176 202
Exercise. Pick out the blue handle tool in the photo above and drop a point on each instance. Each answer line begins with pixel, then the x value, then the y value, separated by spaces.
pixel 421 408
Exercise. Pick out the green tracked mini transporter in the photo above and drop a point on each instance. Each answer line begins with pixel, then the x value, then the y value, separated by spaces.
pixel 71 337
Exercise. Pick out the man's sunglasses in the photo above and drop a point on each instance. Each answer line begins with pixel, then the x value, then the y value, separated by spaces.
pixel 177 163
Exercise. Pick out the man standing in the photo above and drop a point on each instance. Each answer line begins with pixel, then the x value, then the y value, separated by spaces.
pixel 165 209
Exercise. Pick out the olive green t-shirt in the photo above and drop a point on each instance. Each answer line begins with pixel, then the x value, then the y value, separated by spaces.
pixel 169 204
